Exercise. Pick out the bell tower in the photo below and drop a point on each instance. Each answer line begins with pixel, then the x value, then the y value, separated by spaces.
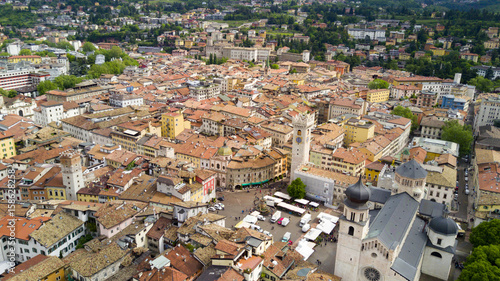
pixel 353 228
pixel 71 168
pixel 301 142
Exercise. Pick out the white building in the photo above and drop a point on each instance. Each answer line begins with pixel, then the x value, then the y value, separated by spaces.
pixel 57 236
pixel 489 111
pixel 397 244
pixel 119 100
pixel 361 34
pixel 13 49
pixel 53 111
pixel 204 91
pixel 100 59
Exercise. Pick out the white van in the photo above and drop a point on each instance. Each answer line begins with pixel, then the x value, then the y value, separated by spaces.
pixel 306 227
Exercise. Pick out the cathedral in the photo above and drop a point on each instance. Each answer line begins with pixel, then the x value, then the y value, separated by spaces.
pixel 386 237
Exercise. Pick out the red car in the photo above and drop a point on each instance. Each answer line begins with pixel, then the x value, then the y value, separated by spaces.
pixel 280 220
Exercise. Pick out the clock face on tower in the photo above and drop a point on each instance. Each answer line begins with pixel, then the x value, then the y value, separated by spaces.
pixel 298 139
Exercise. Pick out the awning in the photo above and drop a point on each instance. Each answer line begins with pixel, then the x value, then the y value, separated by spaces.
pixel 265 181
pixel 312 234
pixel 314 204
pixel 246 184
pixel 302 201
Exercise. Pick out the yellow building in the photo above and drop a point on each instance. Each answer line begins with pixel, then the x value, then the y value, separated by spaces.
pixel 438 52
pixel 33 59
pixel 492 44
pixel 379 95
pixel 179 42
pixel 56 193
pixel 372 171
pixel 188 44
pixel 87 197
pixel 7 148
pixel 358 131
pixel 348 161
pixel 172 124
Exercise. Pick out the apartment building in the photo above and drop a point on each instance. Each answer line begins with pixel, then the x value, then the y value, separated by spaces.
pixel 357 130
pixel 379 95
pixel 348 161
pixel 172 124
pixel 489 111
pixel 341 106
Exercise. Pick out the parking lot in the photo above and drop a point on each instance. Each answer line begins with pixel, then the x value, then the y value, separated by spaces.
pixel 238 204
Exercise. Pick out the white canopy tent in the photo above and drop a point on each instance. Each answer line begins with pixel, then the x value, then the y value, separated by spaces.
pixel 282 195
pixel 326 226
pixel 302 201
pixel 312 234
pixel 304 248
pixel 314 204
pixel 292 208
pixel 328 217
pixel 250 219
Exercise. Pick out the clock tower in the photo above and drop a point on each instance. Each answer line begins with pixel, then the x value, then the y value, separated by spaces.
pixel 302 126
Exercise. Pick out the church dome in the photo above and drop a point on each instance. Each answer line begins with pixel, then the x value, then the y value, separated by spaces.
pixel 412 170
pixel 442 225
pixel 225 150
pixel 358 193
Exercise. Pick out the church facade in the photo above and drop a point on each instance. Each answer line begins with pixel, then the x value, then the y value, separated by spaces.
pixel 404 238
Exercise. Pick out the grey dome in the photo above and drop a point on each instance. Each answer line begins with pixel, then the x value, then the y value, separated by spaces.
pixel 358 193
pixel 442 225
pixel 412 170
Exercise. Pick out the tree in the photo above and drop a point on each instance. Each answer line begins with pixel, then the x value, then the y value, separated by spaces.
pixel 67 81
pixel 293 71
pixel 88 47
pixel 378 84
pixel 482 264
pixel 406 113
pixel 489 73
pixel 25 52
pixel 275 66
pixel 461 134
pixel 482 84
pixel 486 233
pixel 9 94
pixel 45 86
pixel 297 189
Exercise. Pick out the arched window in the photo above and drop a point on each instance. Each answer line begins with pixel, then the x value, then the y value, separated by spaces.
pixel 351 230
pixel 436 254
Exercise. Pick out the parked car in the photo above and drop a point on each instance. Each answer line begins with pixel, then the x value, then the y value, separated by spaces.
pixel 211 209
pixel 466 178
pixel 285 222
pixel 268 233
pixel 221 198
pixel 467 191
pixel 456 196
pixel 466 172
pixel 280 220
pixel 261 218
pixel 286 237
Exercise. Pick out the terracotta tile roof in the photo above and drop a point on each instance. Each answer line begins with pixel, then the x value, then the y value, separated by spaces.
pixel 60 226
pixel 24 227
pixel 115 212
pixel 88 263
pixel 163 274
pixel 184 261
pixel 232 275
pixel 36 268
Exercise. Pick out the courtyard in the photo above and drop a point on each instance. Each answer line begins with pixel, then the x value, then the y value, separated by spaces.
pixel 239 204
